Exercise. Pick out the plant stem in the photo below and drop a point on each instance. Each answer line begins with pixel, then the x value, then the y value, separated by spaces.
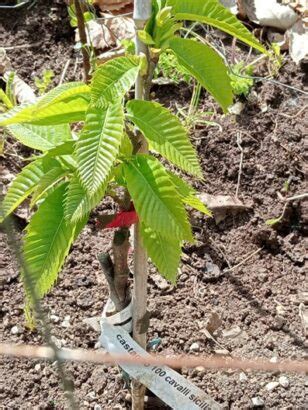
pixel 83 40
pixel 142 12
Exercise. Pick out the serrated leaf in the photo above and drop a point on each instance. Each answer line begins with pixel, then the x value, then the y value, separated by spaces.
pixel 188 195
pixel 24 184
pixel 203 63
pixel 67 148
pixel 165 133
pixel 155 197
pixel 47 242
pixel 65 92
pixel 48 181
pixel 165 253
pixel 78 202
pixel 71 109
pixel 40 137
pixel 98 145
pixel 126 147
pixel 213 13
pixel 113 79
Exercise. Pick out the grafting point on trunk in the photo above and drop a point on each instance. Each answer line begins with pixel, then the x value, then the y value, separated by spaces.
pixel 117 271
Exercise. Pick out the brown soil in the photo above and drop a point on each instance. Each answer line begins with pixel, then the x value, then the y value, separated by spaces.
pixel 260 296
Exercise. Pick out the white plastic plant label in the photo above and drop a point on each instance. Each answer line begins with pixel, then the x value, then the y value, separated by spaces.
pixel 164 382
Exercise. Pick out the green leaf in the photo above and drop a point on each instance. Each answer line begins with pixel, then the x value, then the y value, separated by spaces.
pixel 164 253
pixel 165 133
pixel 78 202
pixel 47 242
pixel 5 99
pixel 126 147
pixel 155 198
pixel 98 145
pixel 40 137
pixel 113 79
pixel 145 37
pixel 67 148
pixel 203 63
pixel 274 221
pixel 62 105
pixel 24 184
pixel 189 195
pixel 213 13
pixel 49 180
pixel 65 92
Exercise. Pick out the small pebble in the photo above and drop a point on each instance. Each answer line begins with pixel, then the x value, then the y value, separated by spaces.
pixel 284 382
pixel 66 322
pixel 243 377
pixel 16 330
pixel 194 347
pixel 56 341
pixel 271 386
pixel 274 359
pixel 37 367
pixel 200 369
pixel 257 402
pixel 91 395
pixel 54 318
pixel 97 407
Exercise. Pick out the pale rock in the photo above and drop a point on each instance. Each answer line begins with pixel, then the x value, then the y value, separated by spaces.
pixel 160 282
pixel 37 367
pixel 200 369
pixel 236 108
pixel 97 407
pixel 243 377
pixel 66 322
pixel 284 382
pixel 16 330
pixel 271 386
pixel 56 341
pixel 91 395
pixel 257 402
pixel 54 318
pixel 194 347
pixel 274 359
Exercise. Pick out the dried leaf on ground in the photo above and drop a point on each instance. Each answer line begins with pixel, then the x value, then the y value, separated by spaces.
pixel 221 205
pixel 298 41
pixel 110 32
pixel 21 90
pixel 270 13
pixel 111 5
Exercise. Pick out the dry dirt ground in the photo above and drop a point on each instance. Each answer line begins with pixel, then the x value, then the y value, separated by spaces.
pixel 258 300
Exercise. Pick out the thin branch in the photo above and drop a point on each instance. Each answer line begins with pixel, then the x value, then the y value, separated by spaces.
pixel 176 361
pixel 83 40
pixel 244 260
pixel 239 141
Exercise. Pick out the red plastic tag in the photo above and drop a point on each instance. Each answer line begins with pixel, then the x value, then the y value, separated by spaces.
pixel 123 219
